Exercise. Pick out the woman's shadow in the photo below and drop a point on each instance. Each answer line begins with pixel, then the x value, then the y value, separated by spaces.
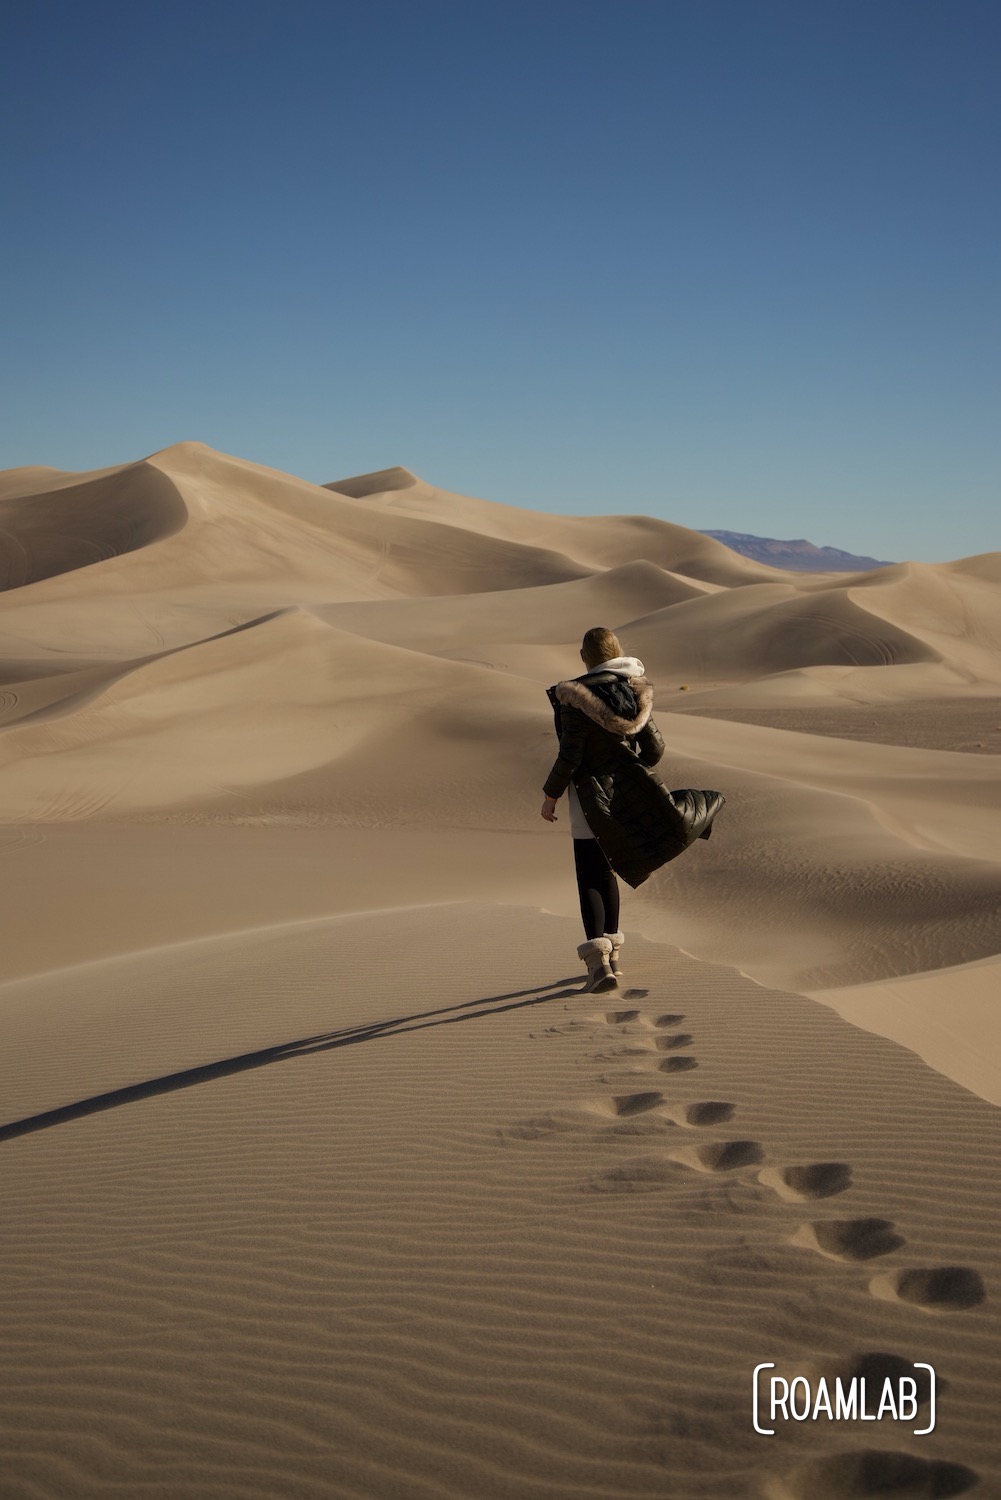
pixel 488 1005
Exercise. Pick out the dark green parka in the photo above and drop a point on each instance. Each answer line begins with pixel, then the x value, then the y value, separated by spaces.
pixel 608 745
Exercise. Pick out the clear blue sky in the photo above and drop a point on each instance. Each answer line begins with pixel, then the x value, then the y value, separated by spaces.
pixel 734 263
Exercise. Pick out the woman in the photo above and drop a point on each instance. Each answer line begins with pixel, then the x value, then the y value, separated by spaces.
pixel 622 818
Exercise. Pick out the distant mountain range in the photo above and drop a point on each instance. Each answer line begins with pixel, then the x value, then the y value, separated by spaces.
pixel 800 554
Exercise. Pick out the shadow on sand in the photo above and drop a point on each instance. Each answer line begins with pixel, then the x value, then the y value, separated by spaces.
pixel 490 1005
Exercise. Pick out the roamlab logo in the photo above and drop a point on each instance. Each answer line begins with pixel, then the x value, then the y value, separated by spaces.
pixel 859 1398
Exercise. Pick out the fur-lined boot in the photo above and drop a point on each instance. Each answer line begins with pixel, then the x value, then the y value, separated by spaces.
pixel 616 939
pixel 596 953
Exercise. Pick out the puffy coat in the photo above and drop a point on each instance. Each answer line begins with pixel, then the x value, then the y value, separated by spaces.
pixel 608 746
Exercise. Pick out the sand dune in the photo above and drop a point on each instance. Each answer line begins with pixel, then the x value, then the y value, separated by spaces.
pixel 767 629
pixel 35 479
pixel 379 482
pixel 985 565
pixel 957 613
pixel 253 541
pixel 846 862
pixel 847 686
pixel 253 707
pixel 321 1176
pixel 549 614
pixel 47 533
pixel 593 541
pixel 322 700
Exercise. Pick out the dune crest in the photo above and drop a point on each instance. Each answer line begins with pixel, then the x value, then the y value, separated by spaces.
pixel 593 541
pixel 381 482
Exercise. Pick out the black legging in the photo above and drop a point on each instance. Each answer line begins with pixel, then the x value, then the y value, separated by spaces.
pixel 597 887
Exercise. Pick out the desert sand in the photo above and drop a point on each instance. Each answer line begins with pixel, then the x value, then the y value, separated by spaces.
pixel 321 1176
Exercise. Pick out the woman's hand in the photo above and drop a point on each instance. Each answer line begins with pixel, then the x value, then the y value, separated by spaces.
pixel 549 810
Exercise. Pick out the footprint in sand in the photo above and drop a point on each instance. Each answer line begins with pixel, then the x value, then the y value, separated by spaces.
pixel 722 1156
pixel 624 1106
pixel 636 1104
pixel 706 1112
pixel 876 1367
pixel 636 1114
pixel 819 1179
pixel 697 1116
pixel 869 1473
pixel 850 1239
pixel 672 1043
pixel 623 1017
pixel 677 1065
pixel 932 1288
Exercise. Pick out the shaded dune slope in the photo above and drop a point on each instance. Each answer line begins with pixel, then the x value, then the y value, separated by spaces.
pixel 43 534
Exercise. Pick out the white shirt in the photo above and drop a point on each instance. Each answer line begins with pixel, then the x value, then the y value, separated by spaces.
pixel 579 828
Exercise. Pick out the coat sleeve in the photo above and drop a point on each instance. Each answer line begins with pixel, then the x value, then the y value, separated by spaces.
pixel 573 732
pixel 650 744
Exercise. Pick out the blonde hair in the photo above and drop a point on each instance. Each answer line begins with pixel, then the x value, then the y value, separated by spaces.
pixel 599 645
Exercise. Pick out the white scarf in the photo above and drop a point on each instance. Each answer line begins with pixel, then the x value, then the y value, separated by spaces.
pixel 622 666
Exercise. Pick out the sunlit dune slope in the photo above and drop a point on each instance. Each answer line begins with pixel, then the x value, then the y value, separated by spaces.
pixel 399 555
pixel 985 565
pixel 593 541
pixel 954 608
pixel 772 628
pixel 844 862
pixel 546 615
pixel 257 706
pixel 37 479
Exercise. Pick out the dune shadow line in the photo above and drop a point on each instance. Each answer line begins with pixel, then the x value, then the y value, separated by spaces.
pixel 282 1051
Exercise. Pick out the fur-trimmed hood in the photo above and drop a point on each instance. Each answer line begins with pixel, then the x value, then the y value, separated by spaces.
pixel 615 695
